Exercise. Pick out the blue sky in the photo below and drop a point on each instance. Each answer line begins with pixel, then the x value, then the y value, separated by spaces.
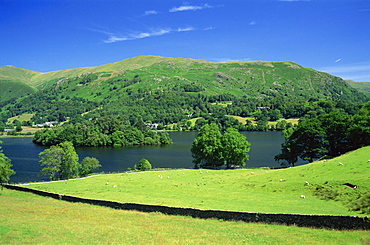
pixel 48 35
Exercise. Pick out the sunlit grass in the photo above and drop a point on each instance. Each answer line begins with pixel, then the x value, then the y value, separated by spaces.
pixel 270 191
pixel 31 219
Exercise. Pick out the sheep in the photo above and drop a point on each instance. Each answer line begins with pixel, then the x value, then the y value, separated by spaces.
pixel 340 163
pixel 307 183
pixel 115 186
pixel 303 196
pixel 368 160
pixel 168 177
pixel 107 183
pixel 281 180
pixel 252 172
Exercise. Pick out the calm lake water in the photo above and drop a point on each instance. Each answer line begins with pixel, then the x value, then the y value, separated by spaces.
pixel 24 154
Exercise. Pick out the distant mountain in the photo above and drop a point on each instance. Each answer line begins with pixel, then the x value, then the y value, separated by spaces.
pixel 252 78
pixel 363 87
pixel 146 85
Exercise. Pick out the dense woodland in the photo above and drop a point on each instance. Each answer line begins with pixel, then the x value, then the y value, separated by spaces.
pixel 328 135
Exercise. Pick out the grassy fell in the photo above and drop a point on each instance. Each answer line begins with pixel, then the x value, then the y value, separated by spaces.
pixel 270 191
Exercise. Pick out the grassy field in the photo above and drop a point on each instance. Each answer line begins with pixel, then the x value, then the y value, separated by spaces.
pixel 21 118
pixel 243 120
pixel 270 191
pixel 31 219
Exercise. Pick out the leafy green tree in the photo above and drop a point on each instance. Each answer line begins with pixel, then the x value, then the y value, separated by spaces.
pixel 52 159
pixel 235 148
pixel 88 165
pixel 18 128
pixel 211 149
pixel 61 161
pixel 206 148
pixel 5 167
pixel 144 165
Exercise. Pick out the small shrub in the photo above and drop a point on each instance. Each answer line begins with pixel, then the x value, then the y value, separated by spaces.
pixel 362 204
pixel 325 192
pixel 144 165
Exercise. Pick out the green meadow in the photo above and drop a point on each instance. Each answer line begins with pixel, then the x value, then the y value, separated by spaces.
pixel 259 190
pixel 31 219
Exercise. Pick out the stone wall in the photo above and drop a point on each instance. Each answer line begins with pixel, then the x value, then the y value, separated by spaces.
pixel 316 221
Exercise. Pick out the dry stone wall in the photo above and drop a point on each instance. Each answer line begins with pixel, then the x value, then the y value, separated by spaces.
pixel 316 221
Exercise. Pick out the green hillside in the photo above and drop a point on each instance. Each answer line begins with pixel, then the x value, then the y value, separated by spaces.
pixel 14 89
pixel 168 90
pixel 360 86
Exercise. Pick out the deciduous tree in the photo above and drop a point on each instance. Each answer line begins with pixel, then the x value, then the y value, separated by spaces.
pixel 211 149
pixel 5 167
pixel 88 165
pixel 61 161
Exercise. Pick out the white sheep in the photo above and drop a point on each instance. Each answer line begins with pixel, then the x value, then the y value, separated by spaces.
pixel 107 183
pixel 115 186
pixel 252 172
pixel 303 196
pixel 307 183
pixel 281 180
pixel 340 163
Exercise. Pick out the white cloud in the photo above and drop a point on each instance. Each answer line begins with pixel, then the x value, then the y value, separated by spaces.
pixel 150 12
pixel 359 72
pixel 189 7
pixel 336 61
pixel 185 29
pixel 159 32
pixel 252 23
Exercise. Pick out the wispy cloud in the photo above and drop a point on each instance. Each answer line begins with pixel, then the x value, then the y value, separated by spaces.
pixel 336 61
pixel 190 7
pixel 252 23
pixel 150 12
pixel 139 35
pixel 358 72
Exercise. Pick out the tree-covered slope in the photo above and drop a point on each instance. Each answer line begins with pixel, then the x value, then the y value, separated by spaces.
pixel 169 89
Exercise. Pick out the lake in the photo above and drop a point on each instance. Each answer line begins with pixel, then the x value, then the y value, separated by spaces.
pixel 24 154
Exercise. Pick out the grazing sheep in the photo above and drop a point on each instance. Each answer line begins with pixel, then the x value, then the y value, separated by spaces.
pixel 252 172
pixel 107 183
pixel 303 196
pixel 368 160
pixel 307 183
pixel 340 163
pixel 281 180
pixel 168 177
pixel 114 186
